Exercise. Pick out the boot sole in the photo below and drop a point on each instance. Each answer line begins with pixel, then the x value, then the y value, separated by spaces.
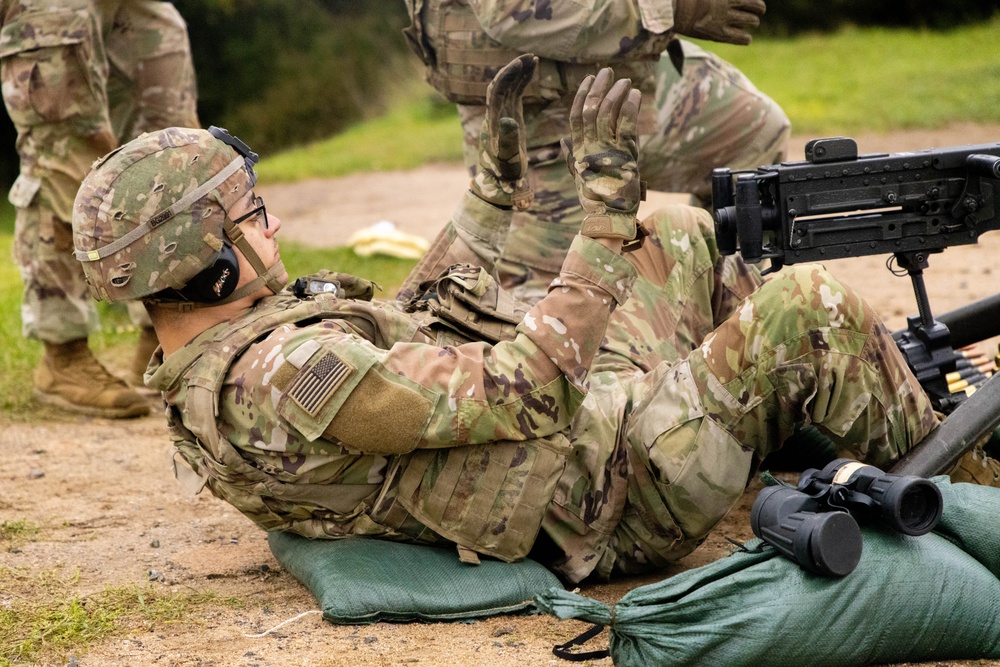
pixel 89 410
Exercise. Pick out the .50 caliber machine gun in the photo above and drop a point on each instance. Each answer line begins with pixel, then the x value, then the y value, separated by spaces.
pixel 838 204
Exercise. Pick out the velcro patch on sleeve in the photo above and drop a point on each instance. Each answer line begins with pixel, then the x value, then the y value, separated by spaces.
pixel 316 383
pixel 363 422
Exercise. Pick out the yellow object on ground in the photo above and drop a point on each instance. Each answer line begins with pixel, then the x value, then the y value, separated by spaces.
pixel 384 238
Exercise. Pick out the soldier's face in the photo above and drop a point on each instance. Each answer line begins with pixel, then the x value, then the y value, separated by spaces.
pixel 259 226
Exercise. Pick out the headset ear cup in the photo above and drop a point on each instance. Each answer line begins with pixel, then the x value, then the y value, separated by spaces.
pixel 217 281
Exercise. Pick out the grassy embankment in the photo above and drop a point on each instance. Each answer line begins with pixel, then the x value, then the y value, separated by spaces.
pixel 863 79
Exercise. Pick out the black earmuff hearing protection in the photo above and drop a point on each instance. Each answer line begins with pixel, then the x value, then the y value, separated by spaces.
pixel 216 282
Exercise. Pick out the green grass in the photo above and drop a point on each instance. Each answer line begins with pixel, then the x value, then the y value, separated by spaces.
pixel 418 131
pixel 871 79
pixel 14 534
pixel 31 631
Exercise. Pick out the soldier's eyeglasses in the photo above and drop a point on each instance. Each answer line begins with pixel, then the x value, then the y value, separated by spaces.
pixel 258 208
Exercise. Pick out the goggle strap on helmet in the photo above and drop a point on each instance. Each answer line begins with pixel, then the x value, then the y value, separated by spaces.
pixel 178 206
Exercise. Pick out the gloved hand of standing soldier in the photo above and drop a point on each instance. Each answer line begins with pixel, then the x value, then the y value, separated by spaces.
pixel 729 21
pixel 503 159
pixel 603 154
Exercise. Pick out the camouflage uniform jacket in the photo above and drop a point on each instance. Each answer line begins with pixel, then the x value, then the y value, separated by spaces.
pixel 464 43
pixel 330 417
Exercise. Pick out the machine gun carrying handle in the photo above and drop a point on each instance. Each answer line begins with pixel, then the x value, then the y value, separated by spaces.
pixel 831 149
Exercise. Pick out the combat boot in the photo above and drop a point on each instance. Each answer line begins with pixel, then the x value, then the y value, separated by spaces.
pixel 71 378
pixel 977 467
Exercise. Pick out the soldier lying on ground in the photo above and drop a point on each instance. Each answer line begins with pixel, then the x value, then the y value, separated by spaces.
pixel 604 429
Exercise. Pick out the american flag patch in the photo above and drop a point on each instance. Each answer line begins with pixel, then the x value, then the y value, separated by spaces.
pixel 316 383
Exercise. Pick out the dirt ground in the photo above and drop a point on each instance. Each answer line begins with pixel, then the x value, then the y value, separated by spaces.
pixel 110 513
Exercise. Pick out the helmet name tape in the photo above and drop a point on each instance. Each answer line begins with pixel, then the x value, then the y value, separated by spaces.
pixel 160 218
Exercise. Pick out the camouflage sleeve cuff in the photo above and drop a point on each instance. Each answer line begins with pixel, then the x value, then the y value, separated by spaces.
pixel 481 225
pixel 657 16
pixel 589 260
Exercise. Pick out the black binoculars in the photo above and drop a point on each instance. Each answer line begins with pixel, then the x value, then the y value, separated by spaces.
pixel 814 523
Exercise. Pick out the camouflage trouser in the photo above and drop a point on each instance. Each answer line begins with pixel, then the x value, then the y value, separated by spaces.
pixel 712 116
pixel 802 350
pixel 683 291
pixel 79 77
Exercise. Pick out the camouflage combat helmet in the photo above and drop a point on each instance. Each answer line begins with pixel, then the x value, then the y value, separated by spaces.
pixel 151 220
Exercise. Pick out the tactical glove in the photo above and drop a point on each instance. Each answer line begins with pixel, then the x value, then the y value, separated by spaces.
pixel 603 155
pixel 729 21
pixel 501 178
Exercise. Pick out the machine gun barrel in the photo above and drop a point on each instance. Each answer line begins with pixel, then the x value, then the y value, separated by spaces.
pixel 940 451
pixel 973 322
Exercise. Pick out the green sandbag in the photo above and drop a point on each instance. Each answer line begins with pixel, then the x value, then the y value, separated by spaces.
pixel 359 581
pixel 971 518
pixel 910 599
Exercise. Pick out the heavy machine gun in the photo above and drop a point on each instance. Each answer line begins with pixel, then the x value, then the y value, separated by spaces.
pixel 838 204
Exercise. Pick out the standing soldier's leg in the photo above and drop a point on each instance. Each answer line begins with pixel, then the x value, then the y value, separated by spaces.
pixel 151 82
pixel 711 116
pixel 802 350
pixel 53 71
pixel 151 85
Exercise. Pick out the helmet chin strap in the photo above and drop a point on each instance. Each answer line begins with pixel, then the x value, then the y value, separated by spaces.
pixel 269 276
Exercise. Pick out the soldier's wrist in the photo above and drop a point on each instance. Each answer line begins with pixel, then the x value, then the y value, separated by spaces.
pixel 610 224
pixel 501 193
pixel 479 220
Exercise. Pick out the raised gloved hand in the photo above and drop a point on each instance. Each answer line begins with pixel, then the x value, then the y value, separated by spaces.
pixel 603 155
pixel 729 21
pixel 501 178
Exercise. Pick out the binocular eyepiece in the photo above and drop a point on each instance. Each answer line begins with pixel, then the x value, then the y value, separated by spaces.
pixel 815 523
